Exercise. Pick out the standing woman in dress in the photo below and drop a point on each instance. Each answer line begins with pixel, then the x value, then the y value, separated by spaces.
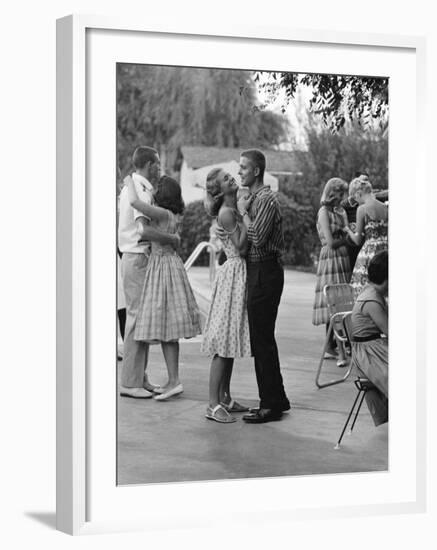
pixel 371 226
pixel 226 332
pixel 168 310
pixel 333 266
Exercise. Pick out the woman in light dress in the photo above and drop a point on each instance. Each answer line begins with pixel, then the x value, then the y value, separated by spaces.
pixel 226 332
pixel 371 226
pixel 168 310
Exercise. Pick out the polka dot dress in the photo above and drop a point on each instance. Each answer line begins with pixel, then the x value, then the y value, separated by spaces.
pixel 226 331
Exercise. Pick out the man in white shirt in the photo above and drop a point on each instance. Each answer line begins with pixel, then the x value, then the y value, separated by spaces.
pixel 134 236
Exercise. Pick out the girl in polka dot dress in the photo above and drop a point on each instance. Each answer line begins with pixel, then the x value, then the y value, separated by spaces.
pixel 226 332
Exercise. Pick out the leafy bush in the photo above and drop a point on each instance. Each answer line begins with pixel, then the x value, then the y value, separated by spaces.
pixel 300 234
pixel 195 229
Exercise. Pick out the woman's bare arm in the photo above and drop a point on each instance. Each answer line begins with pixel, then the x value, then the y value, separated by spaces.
pixel 236 231
pixel 357 236
pixel 145 231
pixel 326 230
pixel 153 212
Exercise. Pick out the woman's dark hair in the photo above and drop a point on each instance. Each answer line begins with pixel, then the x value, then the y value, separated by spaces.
pixel 378 268
pixel 168 195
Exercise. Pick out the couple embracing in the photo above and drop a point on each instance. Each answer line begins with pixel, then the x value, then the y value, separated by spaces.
pixel 160 305
pixel 247 291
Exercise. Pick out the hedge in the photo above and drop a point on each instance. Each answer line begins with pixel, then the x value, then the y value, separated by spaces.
pixel 195 228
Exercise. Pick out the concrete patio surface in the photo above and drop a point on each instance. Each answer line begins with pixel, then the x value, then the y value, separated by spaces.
pixel 173 441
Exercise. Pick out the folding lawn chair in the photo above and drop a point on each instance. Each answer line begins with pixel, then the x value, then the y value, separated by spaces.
pixel 340 301
pixel 362 384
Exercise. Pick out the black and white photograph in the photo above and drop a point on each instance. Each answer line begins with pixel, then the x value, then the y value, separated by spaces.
pixel 252 274
pixel 211 197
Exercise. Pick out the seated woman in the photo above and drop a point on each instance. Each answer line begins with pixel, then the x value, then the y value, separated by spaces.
pixel 369 335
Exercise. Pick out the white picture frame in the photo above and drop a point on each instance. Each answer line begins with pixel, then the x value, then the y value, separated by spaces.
pixel 74 396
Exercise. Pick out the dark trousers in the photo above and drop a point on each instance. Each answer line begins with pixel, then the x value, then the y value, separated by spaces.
pixel 122 320
pixel 265 282
pixel 353 251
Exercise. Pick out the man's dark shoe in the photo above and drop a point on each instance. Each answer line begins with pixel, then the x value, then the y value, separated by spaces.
pixel 262 415
pixel 283 408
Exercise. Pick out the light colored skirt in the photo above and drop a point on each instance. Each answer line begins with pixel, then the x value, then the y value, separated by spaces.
pixel 168 310
pixel 372 359
pixel 226 331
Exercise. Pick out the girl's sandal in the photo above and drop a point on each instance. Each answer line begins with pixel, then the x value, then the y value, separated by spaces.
pixel 234 407
pixel 212 414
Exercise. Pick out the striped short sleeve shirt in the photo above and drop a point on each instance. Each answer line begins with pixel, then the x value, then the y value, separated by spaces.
pixel 265 234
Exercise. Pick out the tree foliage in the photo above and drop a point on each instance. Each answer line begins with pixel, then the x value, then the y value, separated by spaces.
pixel 344 154
pixel 336 98
pixel 166 107
pixel 195 229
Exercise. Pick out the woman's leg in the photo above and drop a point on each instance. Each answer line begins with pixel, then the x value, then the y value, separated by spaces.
pixel 225 386
pixel 219 376
pixel 216 374
pixel 171 356
pixel 332 345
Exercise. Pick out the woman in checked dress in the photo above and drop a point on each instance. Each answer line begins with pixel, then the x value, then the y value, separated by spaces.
pixel 333 266
pixel 168 310
pixel 226 332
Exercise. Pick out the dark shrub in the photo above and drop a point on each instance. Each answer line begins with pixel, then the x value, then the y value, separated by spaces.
pixel 195 229
pixel 300 234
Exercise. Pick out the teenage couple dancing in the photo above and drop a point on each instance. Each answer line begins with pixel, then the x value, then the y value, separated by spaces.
pixel 160 306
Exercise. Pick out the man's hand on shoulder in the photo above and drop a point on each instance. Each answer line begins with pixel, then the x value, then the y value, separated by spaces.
pixel 220 232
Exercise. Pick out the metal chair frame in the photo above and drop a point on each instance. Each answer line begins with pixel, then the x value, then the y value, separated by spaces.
pixel 336 326
pixel 362 384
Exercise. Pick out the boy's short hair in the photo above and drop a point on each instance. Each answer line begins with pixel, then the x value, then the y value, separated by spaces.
pixel 142 155
pixel 257 158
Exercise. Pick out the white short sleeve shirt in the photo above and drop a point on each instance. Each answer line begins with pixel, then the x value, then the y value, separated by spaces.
pixel 128 236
